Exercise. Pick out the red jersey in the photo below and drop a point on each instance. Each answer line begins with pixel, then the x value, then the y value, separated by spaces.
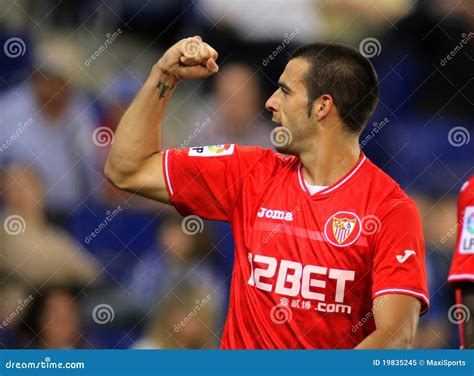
pixel 307 267
pixel 462 268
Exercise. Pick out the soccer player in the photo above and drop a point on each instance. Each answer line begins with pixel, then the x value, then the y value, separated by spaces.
pixel 329 251
pixel 461 275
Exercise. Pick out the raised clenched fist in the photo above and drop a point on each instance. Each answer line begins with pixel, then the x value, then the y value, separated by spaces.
pixel 190 58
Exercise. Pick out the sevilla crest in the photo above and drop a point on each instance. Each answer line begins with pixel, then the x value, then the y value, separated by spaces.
pixel 342 228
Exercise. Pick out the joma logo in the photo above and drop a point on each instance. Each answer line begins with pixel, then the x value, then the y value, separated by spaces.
pixel 275 214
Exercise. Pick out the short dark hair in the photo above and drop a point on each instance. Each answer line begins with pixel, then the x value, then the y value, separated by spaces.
pixel 344 73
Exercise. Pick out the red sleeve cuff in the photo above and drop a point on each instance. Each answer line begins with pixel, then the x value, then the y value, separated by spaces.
pixel 453 279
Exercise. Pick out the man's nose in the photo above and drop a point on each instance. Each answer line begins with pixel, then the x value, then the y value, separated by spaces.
pixel 272 104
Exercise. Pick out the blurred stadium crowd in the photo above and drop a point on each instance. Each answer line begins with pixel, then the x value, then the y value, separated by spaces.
pixel 83 265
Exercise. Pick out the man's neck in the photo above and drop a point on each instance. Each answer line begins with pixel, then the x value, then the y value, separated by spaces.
pixel 330 161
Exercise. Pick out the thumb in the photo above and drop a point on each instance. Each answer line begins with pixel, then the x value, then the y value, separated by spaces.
pixel 212 66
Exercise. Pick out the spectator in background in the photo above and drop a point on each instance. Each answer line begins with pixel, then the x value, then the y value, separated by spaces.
pixel 47 124
pixel 33 252
pixel 185 319
pixel 429 52
pixel 119 92
pixel 177 258
pixel 265 20
pixel 234 114
pixel 53 320
pixel 14 301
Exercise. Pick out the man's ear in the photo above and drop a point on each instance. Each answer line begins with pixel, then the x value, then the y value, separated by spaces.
pixel 322 106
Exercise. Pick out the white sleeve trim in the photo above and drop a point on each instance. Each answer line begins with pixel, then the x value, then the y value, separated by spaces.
pixel 461 277
pixel 167 174
pixel 408 292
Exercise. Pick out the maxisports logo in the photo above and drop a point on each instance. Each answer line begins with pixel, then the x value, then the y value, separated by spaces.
pixel 295 279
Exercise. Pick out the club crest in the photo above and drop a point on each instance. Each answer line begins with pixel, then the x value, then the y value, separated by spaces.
pixel 342 229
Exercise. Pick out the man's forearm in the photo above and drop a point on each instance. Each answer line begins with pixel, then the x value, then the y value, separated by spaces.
pixel 135 162
pixel 138 135
pixel 382 339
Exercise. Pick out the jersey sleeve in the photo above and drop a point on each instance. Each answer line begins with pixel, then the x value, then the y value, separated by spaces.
pixel 399 253
pixel 206 180
pixel 462 267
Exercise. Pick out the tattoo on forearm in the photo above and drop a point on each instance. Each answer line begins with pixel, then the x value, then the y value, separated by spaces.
pixel 163 88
